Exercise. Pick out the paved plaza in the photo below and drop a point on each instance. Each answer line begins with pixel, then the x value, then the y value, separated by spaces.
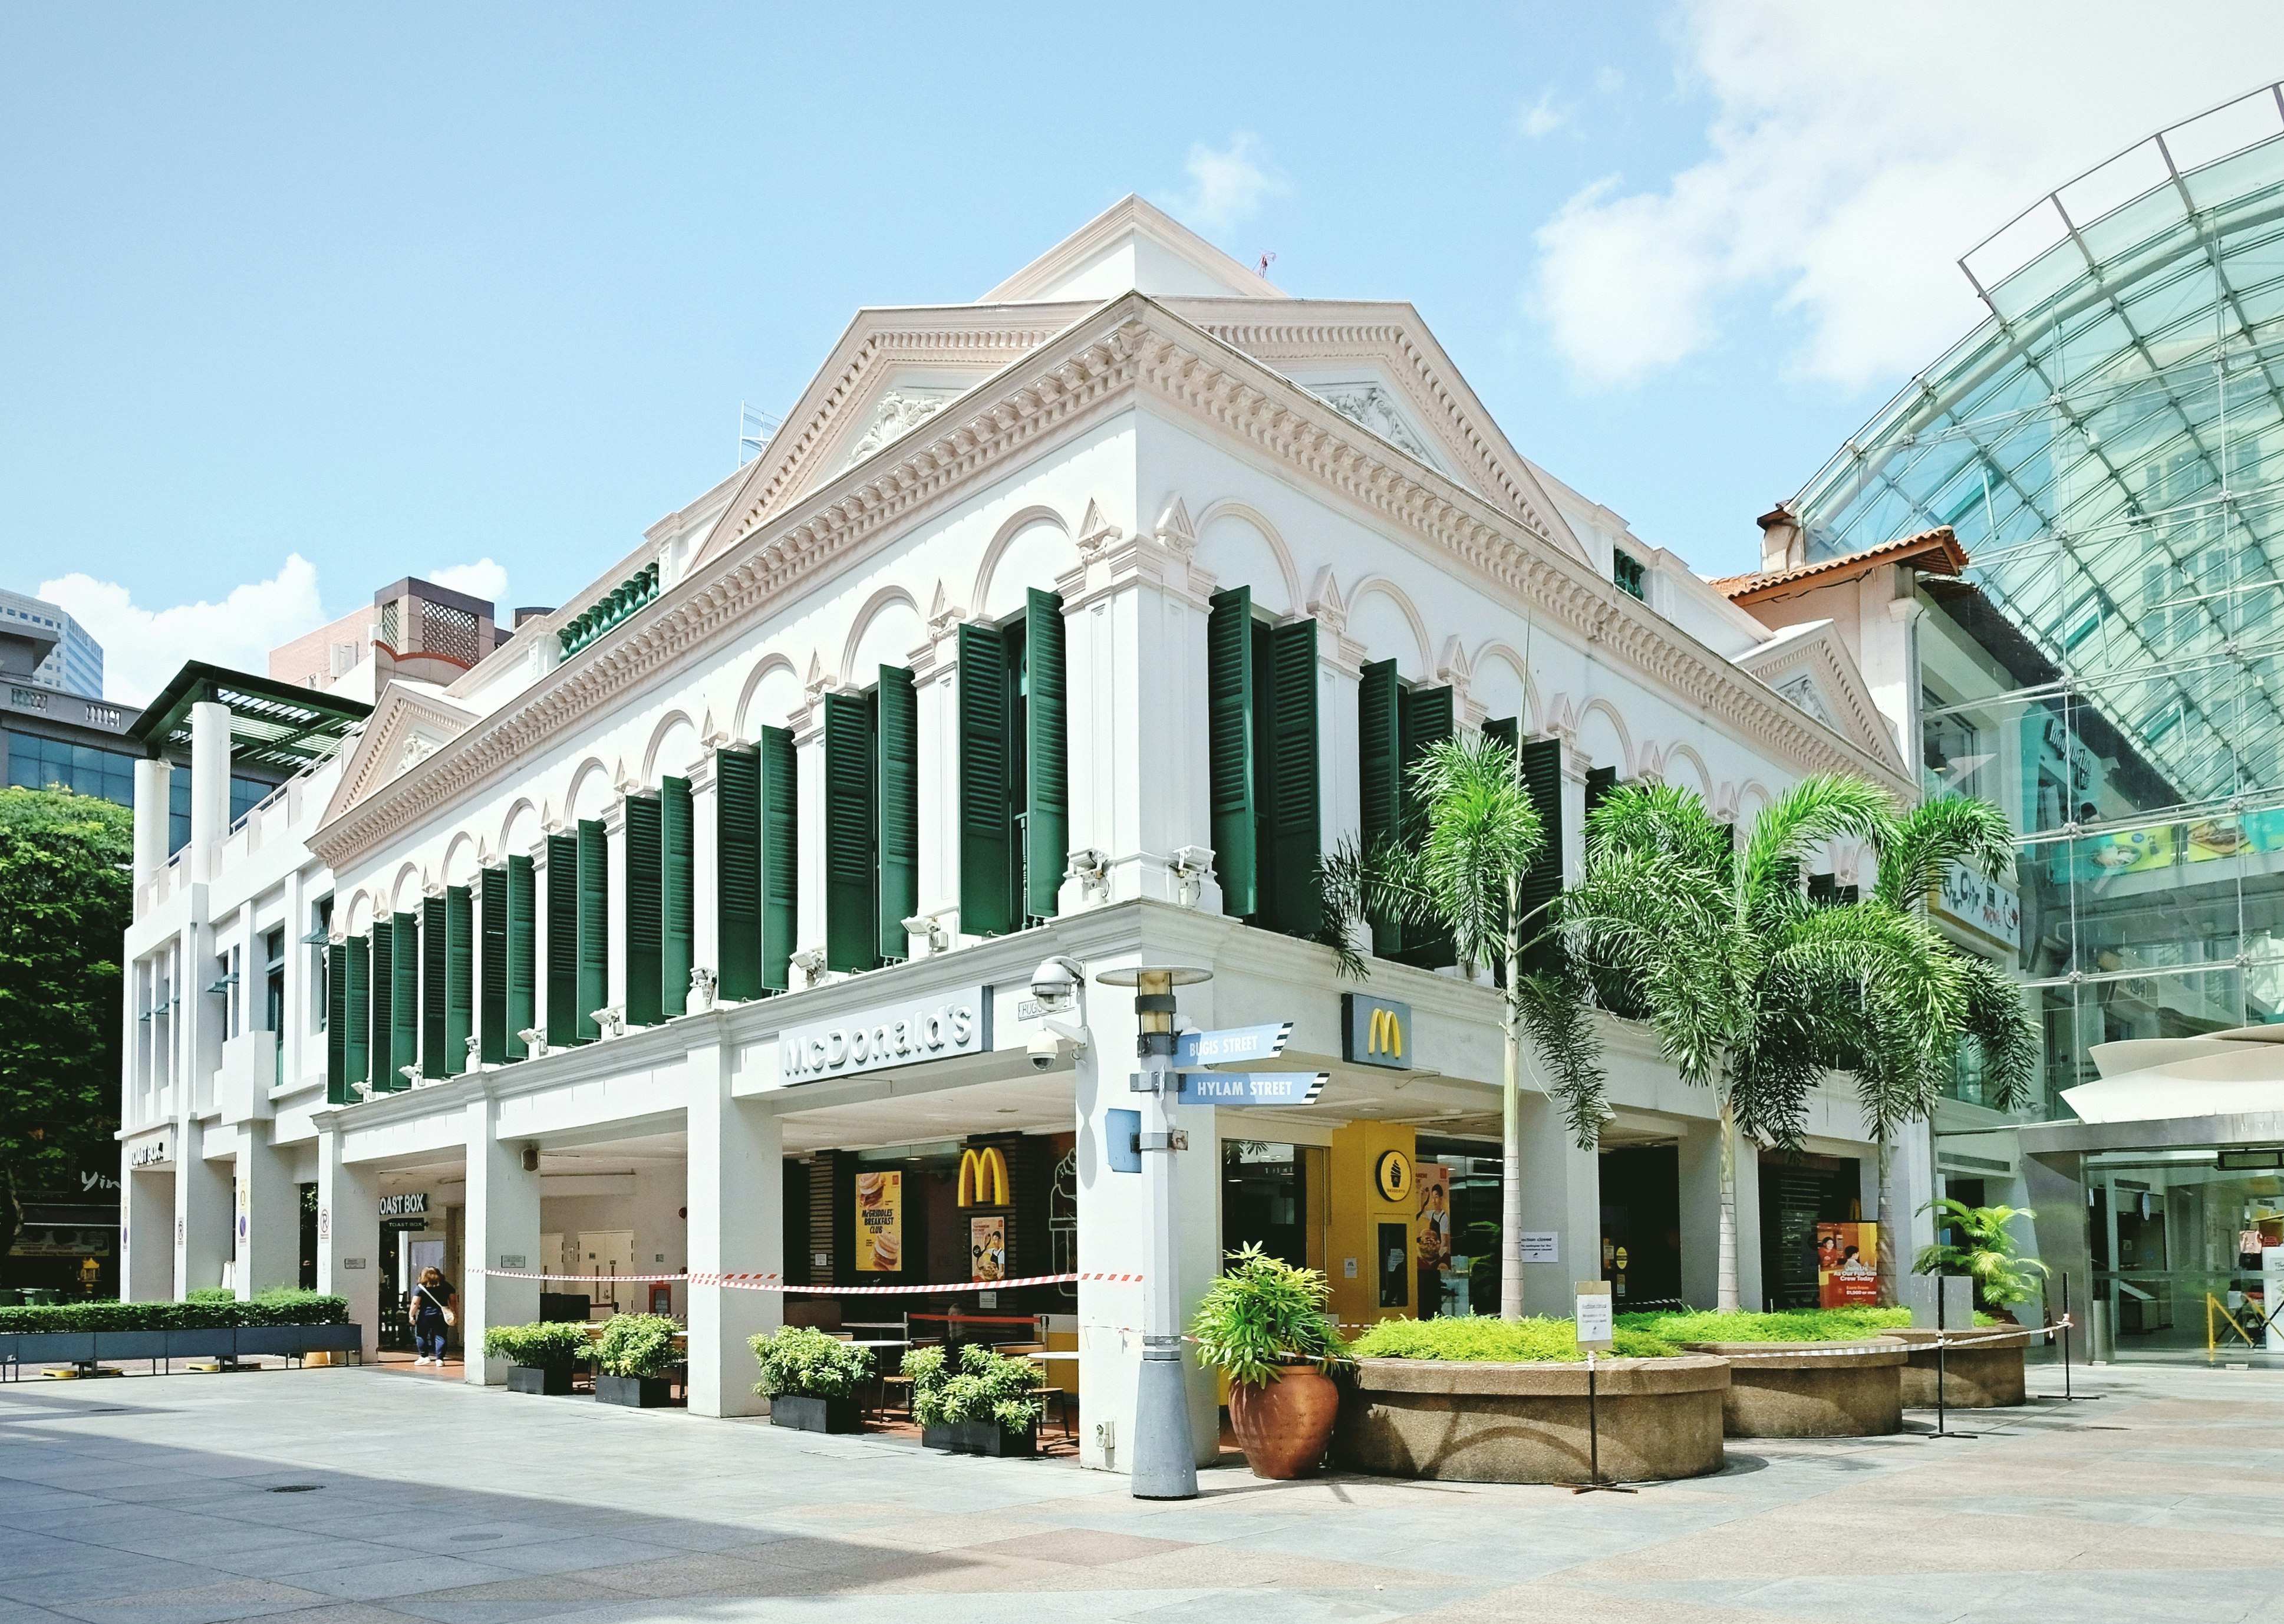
pixel 355 1496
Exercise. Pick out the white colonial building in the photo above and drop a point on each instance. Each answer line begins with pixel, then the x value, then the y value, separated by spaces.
pixel 692 931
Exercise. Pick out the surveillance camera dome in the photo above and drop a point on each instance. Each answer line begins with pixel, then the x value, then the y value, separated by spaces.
pixel 1044 1048
pixel 1055 981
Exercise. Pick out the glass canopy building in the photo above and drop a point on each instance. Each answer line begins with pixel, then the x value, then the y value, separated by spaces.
pixel 2109 447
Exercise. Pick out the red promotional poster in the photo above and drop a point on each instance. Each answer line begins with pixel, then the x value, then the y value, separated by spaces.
pixel 1847 1266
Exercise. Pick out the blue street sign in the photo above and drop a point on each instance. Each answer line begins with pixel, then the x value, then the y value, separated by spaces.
pixel 1213 1049
pixel 1252 1087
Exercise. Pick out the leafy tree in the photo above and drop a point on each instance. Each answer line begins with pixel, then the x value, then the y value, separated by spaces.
pixel 1469 842
pixel 66 899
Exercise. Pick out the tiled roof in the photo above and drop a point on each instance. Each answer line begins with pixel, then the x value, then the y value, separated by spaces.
pixel 1936 551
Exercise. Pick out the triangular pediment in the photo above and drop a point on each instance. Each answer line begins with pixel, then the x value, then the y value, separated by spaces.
pixel 1810 668
pixel 410 722
pixel 1131 246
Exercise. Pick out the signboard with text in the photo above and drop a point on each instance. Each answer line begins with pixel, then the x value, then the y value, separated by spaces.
pixel 1376 1032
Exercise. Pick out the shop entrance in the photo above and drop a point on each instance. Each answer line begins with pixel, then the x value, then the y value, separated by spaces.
pixel 1797 1194
pixel 2178 1239
pixel 1641 1225
pixel 1471 1285
pixel 1273 1197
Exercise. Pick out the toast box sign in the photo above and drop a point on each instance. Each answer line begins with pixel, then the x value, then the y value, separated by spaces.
pixel 902 1034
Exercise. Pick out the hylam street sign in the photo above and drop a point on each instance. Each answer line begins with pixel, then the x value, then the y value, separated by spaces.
pixel 1252 1087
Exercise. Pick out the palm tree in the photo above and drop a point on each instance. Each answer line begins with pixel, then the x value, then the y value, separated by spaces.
pixel 1460 867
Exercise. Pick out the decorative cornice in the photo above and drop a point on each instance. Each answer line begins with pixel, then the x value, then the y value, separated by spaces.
pixel 1131 345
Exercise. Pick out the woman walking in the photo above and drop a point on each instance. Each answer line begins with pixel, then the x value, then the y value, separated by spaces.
pixel 434 1308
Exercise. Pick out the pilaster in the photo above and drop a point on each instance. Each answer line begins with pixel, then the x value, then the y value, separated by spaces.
pixel 705 866
pixel 502 1232
pixel 348 1234
pixel 614 929
pixel 735 1194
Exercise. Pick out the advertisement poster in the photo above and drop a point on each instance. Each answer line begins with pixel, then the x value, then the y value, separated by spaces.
pixel 1432 1183
pixel 1847 1266
pixel 879 1223
pixel 987 1248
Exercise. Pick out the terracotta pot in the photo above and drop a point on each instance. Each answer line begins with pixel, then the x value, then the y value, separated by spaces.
pixel 1286 1426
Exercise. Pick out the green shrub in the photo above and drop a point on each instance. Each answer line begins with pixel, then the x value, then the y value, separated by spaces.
pixel 1784 1325
pixel 637 1345
pixel 1476 1336
pixel 799 1362
pixel 2002 1275
pixel 987 1386
pixel 211 1294
pixel 1262 1314
pixel 539 1345
pixel 296 1308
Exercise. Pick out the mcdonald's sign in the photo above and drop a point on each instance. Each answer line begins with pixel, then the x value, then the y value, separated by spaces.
pixel 983 1178
pixel 1376 1032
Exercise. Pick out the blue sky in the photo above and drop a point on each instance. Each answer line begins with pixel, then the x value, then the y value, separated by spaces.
pixel 400 293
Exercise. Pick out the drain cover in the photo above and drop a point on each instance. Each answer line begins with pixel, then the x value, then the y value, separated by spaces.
pixel 294 1488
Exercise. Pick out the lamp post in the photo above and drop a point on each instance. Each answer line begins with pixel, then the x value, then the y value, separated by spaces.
pixel 1165 1451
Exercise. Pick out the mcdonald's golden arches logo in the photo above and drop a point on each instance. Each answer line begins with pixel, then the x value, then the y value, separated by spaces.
pixel 983 1178
pixel 1376 1032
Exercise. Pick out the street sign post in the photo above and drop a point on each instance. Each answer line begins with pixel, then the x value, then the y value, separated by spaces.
pixel 1597 1334
pixel 1252 1087
pixel 1233 1043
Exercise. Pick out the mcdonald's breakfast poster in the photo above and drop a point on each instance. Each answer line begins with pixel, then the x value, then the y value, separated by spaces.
pixel 987 1248
pixel 879 1222
pixel 1847 1266
pixel 1432 1183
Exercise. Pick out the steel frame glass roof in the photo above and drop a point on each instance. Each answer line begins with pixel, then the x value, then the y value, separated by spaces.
pixel 2109 444
pixel 272 724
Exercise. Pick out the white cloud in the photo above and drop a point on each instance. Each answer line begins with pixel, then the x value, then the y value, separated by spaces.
pixel 1854 153
pixel 1228 187
pixel 482 579
pixel 142 648
pixel 1541 117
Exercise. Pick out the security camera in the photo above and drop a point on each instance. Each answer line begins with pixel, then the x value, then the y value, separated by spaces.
pixel 1056 982
pixel 1044 1048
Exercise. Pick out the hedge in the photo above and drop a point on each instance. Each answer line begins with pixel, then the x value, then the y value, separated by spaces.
pixel 1783 1325
pixel 279 1307
pixel 1475 1337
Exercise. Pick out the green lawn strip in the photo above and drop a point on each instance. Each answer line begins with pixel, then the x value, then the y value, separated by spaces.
pixel 1474 1336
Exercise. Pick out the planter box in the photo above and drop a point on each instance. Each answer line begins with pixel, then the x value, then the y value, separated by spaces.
pixel 204 1343
pixel 978 1437
pixel 1810 1389
pixel 1527 1422
pixel 553 1381
pixel 130 1344
pixel 279 1340
pixel 55 1347
pixel 1983 1369
pixel 332 1339
pixel 839 1415
pixel 634 1392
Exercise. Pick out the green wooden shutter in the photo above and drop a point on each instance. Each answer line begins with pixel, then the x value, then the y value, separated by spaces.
pixel 404 999
pixel 337 1024
pixel 738 871
pixel 357 995
pixel 433 943
pixel 382 980
pixel 896 795
pixel 1380 749
pixel 645 910
pixel 492 1029
pixel 1047 754
pixel 780 869
pixel 987 853
pixel 1426 717
pixel 1296 827
pixel 851 917
pixel 677 923
pixel 563 940
pixel 1502 729
pixel 593 984
pixel 1600 782
pixel 522 954
pixel 1229 733
pixel 1542 780
pixel 460 976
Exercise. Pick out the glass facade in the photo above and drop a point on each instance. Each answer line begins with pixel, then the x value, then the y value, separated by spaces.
pixel 35 761
pixel 2109 447
pixel 2177 1238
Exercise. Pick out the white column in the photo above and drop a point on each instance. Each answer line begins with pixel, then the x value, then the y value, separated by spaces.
pixel 153 801
pixel 502 1233
pixel 539 926
pixel 1752 1289
pixel 705 868
pixel 203 1216
pixel 209 783
pixel 1698 1154
pixel 736 1195
pixel 146 1235
pixel 615 907
pixel 808 727
pixel 269 1209
pixel 348 1234
pixel 936 693
pixel 1562 1193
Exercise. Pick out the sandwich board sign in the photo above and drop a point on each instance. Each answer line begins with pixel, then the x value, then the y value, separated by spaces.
pixel 1596 1329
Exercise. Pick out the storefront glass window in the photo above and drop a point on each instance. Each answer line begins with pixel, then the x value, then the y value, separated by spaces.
pixel 2176 1237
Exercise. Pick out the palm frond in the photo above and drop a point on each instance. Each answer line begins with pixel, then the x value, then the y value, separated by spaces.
pixel 2001 1024
pixel 1481 835
pixel 1819 808
pixel 1914 848
pixel 1553 1008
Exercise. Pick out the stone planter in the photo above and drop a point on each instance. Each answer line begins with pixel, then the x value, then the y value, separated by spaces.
pixel 1810 1389
pixel 1527 1422
pixel 553 1381
pixel 1982 1368
pixel 634 1392
pixel 839 1415
pixel 978 1438
pixel 1285 1425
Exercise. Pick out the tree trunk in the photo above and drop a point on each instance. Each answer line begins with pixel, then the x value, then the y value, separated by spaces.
pixel 1887 1242
pixel 1726 1292
pixel 1511 1143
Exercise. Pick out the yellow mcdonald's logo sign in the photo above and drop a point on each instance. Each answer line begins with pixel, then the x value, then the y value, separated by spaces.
pixel 983 1178
pixel 1385 1035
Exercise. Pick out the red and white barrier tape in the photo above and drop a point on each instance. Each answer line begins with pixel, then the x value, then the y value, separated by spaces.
pixel 778 1282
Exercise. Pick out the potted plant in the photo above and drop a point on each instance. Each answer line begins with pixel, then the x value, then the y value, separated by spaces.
pixel 982 1407
pixel 1267 1326
pixel 636 1354
pixel 539 1356
pixel 1986 1253
pixel 810 1380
